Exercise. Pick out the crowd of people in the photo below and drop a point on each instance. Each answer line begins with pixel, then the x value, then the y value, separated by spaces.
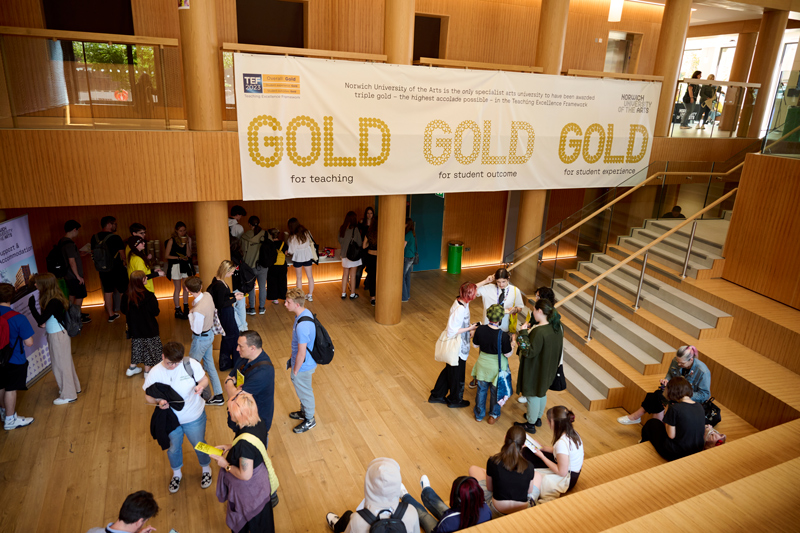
pixel 522 474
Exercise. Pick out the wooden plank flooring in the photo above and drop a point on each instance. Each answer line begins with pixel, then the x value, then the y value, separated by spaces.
pixel 71 469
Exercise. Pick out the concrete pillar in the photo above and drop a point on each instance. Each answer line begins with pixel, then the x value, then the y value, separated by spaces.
pixel 552 35
pixel 674 25
pixel 399 48
pixel 740 69
pixel 765 61
pixel 201 65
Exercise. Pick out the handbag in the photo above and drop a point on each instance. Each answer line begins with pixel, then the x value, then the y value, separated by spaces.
pixel 504 386
pixel 217 328
pixel 315 249
pixel 447 349
pixel 560 381
pixel 713 414
pixel 416 259
pixel 713 438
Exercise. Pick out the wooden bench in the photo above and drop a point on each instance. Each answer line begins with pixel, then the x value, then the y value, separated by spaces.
pixel 622 500
pixel 616 465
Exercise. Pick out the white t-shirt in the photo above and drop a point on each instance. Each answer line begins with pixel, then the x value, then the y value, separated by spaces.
pixel 490 295
pixel 458 312
pixel 184 385
pixel 564 445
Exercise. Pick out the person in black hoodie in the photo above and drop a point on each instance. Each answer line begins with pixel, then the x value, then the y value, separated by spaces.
pixel 275 255
pixel 223 302
pixel 140 306
pixel 52 318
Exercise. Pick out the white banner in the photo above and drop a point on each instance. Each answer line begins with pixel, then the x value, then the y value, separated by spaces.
pixel 312 128
pixel 17 265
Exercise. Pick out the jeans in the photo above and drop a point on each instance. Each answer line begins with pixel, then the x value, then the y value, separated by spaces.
pixel 240 312
pixel 536 407
pixel 261 277
pixel 202 352
pixel 195 432
pixel 689 109
pixel 408 264
pixel 433 503
pixel 480 401
pixel 302 386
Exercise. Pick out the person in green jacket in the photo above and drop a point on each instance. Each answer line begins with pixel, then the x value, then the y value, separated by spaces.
pixel 540 352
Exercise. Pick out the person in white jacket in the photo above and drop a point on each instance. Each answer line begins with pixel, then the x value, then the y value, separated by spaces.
pixel 383 489
pixel 451 378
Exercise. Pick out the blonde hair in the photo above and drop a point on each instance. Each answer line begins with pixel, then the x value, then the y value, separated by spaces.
pixel 224 268
pixel 297 295
pixel 49 290
pixel 243 410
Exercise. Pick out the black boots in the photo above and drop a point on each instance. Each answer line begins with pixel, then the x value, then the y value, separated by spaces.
pixel 460 401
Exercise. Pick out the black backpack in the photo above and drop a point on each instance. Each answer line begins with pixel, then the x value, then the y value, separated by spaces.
pixel 247 278
pixel 56 262
pixel 267 254
pixel 101 255
pixel 72 321
pixel 393 524
pixel 323 345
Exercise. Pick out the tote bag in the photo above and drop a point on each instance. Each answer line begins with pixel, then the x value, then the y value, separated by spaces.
pixel 447 349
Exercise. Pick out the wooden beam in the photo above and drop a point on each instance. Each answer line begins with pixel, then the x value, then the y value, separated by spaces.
pixel 475 65
pixel 698 81
pixel 615 75
pixel 302 52
pixel 86 36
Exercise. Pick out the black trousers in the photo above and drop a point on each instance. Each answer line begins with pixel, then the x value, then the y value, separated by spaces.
pixel 654 402
pixel 371 266
pixel 341 525
pixel 450 383
pixel 263 522
pixel 228 354
pixel 655 432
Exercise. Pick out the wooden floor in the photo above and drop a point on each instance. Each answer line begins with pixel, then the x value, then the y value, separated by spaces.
pixel 72 468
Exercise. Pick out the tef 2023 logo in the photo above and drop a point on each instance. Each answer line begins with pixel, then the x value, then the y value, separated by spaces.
pixel 252 83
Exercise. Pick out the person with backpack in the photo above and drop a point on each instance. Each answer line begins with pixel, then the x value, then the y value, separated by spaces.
pixel 140 308
pixel 108 258
pixel 176 377
pixel 302 366
pixel 273 256
pixel 15 333
pixel 350 250
pixel 467 506
pixel 64 261
pixel 246 478
pixel 53 317
pixel 383 511
pixel 252 241
pixel 223 303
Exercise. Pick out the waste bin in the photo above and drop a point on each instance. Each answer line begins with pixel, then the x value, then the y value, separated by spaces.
pixel 454 251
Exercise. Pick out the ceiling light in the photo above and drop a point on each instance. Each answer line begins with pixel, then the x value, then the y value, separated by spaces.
pixel 615 11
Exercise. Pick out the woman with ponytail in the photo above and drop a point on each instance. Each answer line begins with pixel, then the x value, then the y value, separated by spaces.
pixel 558 466
pixel 540 352
pixel 686 365
pixel 508 478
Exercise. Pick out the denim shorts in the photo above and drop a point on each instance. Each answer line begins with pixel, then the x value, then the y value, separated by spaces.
pixel 303 264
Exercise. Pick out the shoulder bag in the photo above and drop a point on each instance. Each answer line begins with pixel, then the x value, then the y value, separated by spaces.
pixel 504 387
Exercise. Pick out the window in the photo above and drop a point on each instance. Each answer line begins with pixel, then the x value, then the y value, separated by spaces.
pixel 725 63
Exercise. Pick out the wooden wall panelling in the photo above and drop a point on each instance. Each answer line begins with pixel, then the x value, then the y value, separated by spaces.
pixel 156 18
pixel 588 21
pixel 346 25
pixel 114 167
pixel 762 250
pixel 478 220
pixel 561 204
pixel 687 149
pixel 22 13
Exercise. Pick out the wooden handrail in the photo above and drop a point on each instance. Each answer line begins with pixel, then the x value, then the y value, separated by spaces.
pixel 636 254
pixel 86 36
pixel 475 65
pixel 609 204
pixel 615 75
pixel 776 141
pixel 302 52
pixel 698 81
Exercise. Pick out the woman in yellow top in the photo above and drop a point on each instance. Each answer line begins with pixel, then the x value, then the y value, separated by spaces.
pixel 137 260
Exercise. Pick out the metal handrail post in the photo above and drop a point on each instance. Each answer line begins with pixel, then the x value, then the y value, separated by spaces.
pixel 641 281
pixel 591 314
pixel 689 250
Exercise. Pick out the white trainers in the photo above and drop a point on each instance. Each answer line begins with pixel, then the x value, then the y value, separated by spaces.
pixel 16 421
pixel 62 401
pixel 133 371
pixel 522 399
pixel 310 297
pixel 624 420
pixel 331 519
pixel 424 481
